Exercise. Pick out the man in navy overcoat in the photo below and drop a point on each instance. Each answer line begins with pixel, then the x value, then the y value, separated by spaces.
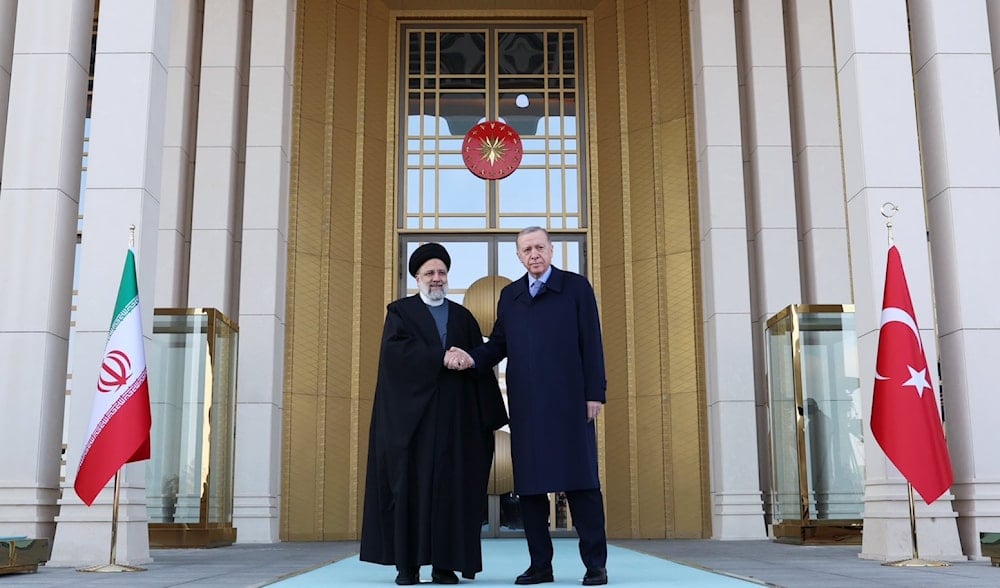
pixel 555 388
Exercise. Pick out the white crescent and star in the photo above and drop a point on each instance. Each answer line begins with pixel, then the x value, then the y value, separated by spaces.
pixel 918 379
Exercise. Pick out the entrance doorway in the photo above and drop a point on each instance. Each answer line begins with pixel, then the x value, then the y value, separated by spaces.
pixel 452 77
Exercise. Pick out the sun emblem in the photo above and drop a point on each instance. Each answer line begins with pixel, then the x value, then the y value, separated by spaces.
pixel 492 150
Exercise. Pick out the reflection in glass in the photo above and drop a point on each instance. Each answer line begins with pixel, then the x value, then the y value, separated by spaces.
pixel 462 53
pixel 461 111
pixel 521 53
pixel 832 415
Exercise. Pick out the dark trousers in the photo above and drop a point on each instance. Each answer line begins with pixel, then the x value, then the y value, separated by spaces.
pixel 587 509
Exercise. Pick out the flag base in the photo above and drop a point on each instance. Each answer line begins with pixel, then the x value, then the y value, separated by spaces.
pixel 917 563
pixel 112 568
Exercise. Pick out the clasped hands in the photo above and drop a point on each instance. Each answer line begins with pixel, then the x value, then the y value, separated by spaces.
pixel 457 359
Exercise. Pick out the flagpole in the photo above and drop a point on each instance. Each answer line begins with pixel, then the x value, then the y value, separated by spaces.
pixel 915 561
pixel 889 210
pixel 112 566
pixel 913 521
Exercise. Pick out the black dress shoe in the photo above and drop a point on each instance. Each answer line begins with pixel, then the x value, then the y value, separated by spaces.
pixel 408 576
pixel 534 575
pixel 441 576
pixel 595 577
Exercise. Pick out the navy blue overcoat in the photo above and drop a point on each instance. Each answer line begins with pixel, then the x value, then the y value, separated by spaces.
pixel 555 364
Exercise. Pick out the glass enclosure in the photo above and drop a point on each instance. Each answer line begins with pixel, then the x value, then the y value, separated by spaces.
pixel 192 387
pixel 817 458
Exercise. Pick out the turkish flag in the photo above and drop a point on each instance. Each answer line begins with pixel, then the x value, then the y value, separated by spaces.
pixel 905 418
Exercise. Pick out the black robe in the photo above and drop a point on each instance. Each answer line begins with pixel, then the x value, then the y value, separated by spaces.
pixel 430 445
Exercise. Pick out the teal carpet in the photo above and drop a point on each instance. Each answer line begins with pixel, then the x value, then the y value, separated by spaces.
pixel 504 559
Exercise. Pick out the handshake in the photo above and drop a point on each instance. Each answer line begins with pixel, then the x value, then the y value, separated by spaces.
pixel 457 359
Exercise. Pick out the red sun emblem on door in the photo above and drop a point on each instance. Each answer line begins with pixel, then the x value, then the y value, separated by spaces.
pixel 492 150
pixel 115 370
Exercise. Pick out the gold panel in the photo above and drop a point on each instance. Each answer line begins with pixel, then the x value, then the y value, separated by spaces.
pixel 682 327
pixel 668 20
pixel 637 68
pixel 679 229
pixel 614 337
pixel 502 471
pixel 299 499
pixel 656 197
pixel 617 469
pixel 688 469
pixel 336 468
pixel 653 505
pixel 481 300
pixel 643 250
pixel 345 87
pixel 649 338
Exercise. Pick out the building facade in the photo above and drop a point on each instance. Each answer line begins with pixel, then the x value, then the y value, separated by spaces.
pixel 706 163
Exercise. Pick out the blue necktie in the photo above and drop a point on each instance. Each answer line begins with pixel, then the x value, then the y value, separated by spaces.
pixel 535 287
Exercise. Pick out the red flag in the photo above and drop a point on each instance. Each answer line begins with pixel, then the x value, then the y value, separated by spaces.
pixel 905 418
pixel 120 420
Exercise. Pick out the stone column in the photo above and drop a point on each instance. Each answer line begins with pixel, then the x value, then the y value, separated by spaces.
pixel 770 189
pixel 993 11
pixel 183 70
pixel 43 146
pixel 961 147
pixel 263 273
pixel 882 164
pixel 8 16
pixel 819 176
pixel 218 180
pixel 123 183
pixel 737 510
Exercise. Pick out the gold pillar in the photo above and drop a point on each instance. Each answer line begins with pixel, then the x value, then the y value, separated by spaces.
pixel 337 264
pixel 646 240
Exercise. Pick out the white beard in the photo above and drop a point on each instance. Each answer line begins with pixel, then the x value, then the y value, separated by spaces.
pixel 433 297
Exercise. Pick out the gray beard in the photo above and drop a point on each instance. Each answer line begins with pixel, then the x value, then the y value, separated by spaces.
pixel 433 297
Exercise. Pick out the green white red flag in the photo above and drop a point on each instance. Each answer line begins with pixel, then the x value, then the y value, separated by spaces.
pixel 121 419
pixel 905 418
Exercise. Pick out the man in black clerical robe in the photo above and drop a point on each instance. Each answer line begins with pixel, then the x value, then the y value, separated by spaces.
pixel 431 437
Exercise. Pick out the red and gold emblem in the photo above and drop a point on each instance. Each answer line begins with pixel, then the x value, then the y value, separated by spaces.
pixel 116 369
pixel 492 150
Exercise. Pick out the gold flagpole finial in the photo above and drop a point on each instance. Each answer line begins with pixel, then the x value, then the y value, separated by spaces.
pixel 889 210
pixel 131 236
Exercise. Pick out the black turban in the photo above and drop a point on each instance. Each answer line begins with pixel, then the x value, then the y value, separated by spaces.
pixel 428 251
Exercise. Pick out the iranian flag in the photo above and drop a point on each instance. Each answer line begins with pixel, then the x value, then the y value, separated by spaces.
pixel 120 422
